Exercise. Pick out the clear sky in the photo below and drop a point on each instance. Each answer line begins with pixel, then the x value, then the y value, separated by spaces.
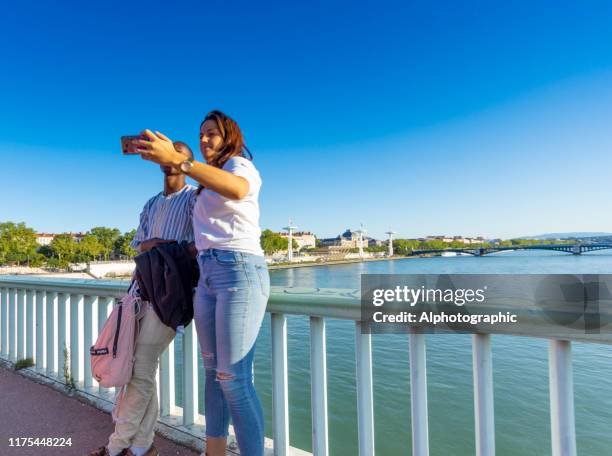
pixel 472 118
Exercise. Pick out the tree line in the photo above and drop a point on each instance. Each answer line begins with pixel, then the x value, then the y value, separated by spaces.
pixel 273 242
pixel 18 246
pixel 407 246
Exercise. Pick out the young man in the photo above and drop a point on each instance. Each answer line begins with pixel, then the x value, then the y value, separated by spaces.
pixel 166 217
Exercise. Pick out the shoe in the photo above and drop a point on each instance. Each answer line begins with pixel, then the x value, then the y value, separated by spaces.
pixel 103 451
pixel 150 452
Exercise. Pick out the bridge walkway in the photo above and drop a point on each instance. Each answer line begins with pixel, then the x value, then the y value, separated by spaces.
pixel 30 409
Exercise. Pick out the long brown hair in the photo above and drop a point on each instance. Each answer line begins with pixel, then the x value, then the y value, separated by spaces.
pixel 233 142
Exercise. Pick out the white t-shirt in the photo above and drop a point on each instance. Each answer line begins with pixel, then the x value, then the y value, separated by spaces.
pixel 226 224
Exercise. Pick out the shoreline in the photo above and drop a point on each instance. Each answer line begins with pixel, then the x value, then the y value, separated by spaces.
pixel 311 264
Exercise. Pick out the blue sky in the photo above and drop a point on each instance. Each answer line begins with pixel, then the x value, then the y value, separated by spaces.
pixel 448 118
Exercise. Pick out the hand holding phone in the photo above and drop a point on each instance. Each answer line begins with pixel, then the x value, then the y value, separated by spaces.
pixel 154 147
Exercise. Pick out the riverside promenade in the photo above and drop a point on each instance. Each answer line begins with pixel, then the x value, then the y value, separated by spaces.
pixel 31 409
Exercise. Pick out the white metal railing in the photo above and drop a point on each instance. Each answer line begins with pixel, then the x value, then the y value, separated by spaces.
pixel 39 317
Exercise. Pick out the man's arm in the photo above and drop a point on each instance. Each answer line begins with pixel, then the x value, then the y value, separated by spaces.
pixel 142 230
pixel 150 243
pixel 190 237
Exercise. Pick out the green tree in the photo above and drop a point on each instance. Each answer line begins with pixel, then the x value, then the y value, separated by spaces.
pixel 122 245
pixel 18 244
pixel 107 238
pixel 88 249
pixel 46 251
pixel 63 249
pixel 273 242
pixel 437 244
pixel 405 246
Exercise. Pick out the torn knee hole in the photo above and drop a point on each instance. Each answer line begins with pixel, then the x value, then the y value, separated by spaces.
pixel 221 376
pixel 206 355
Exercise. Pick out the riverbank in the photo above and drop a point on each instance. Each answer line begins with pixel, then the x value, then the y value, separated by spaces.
pixel 335 262
pixel 273 267
pixel 85 275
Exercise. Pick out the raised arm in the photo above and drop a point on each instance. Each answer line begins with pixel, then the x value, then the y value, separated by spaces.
pixel 159 149
pixel 220 181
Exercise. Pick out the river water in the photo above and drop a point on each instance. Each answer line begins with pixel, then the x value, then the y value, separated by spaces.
pixel 520 370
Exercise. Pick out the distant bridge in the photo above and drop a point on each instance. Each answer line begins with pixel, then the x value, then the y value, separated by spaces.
pixel 575 249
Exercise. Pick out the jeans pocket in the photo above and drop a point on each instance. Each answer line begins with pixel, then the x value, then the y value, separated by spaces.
pixel 264 279
pixel 228 258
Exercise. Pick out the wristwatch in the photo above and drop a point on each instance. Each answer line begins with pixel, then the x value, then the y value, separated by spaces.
pixel 186 165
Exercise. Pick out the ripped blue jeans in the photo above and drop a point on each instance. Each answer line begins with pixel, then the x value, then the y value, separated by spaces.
pixel 229 306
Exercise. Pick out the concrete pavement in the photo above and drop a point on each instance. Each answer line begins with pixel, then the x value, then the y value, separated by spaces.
pixel 29 409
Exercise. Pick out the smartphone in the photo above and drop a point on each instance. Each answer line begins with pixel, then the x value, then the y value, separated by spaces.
pixel 126 141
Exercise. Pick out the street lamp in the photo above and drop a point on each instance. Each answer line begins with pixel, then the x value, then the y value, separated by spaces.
pixel 290 229
pixel 390 233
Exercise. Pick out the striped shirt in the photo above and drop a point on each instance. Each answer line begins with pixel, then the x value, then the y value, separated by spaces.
pixel 167 217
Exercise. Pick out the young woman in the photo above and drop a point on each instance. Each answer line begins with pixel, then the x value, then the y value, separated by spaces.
pixel 234 284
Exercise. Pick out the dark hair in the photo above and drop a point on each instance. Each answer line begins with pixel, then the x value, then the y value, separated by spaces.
pixel 233 142
pixel 181 147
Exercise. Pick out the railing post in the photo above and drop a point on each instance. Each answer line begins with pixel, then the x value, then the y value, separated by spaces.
pixel 12 296
pixel 483 394
pixel 21 333
pixel 158 383
pixel 280 389
pixel 365 398
pixel 30 330
pixel 418 395
pixel 4 322
pixel 77 327
pixel 63 335
pixel 318 386
pixel 53 347
pixel 41 336
pixel 166 381
pixel 563 432
pixel 190 375
pixel 90 332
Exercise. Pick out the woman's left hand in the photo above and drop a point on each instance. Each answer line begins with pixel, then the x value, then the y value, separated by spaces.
pixel 157 148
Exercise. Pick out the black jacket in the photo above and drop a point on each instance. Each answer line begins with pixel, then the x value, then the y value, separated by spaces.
pixel 166 276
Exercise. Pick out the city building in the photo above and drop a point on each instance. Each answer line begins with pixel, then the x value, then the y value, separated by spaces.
pixel 349 240
pixel 371 242
pixel 46 238
pixel 303 238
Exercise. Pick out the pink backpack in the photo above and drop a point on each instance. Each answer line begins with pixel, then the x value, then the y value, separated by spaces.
pixel 112 356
